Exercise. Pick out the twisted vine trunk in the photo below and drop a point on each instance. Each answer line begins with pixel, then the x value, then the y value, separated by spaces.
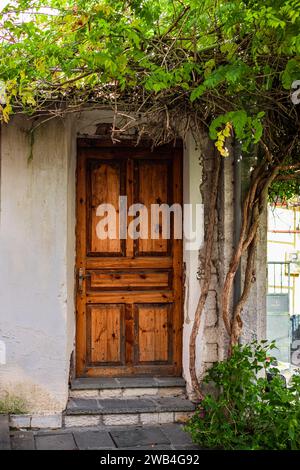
pixel 207 270
pixel 254 205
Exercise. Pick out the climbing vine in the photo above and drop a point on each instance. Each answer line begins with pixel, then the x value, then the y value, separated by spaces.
pixel 230 68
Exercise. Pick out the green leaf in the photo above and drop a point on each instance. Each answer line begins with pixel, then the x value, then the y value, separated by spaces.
pixel 291 73
pixel 197 92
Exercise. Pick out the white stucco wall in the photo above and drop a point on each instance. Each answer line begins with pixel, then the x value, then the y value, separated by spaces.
pixel 36 308
pixel 192 178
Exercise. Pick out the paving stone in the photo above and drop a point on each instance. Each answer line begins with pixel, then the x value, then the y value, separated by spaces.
pixel 93 440
pixel 55 442
pixel 51 432
pixel 22 440
pixel 157 437
pixel 123 405
pixel 135 405
pixel 130 405
pixel 170 381
pixel 176 434
pixel 150 447
pixel 20 421
pixel 94 383
pixel 139 437
pixel 186 447
pixel 136 382
pixel 46 421
pixel 88 383
pixel 4 433
pixel 81 420
pixel 126 405
pixel 82 405
pixel 174 404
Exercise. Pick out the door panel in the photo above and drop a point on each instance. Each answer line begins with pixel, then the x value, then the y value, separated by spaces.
pixel 129 292
pixel 153 186
pixel 106 180
pixel 134 279
pixel 106 333
pixel 153 323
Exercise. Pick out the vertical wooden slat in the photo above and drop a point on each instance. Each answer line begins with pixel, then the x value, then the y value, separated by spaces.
pixel 129 334
pixel 129 193
pixel 106 183
pixel 106 333
pixel 153 333
pixel 81 241
pixel 177 269
pixel 152 187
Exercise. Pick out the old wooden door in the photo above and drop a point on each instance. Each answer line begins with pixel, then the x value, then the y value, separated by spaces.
pixel 129 292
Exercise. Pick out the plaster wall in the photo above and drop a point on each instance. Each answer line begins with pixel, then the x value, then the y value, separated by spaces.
pixel 35 311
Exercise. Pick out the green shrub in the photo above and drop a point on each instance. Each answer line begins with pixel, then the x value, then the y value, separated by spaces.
pixel 250 407
pixel 10 404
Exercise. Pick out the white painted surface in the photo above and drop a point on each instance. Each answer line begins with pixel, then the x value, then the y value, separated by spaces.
pixel 35 302
pixel 192 177
pixel 2 353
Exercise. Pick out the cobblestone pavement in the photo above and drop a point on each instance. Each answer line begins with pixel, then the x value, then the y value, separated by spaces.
pixel 160 437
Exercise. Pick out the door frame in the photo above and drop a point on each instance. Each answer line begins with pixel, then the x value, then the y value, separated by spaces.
pixel 98 142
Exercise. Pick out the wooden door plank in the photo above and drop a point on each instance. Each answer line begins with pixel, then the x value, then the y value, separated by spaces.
pixel 152 322
pixel 106 333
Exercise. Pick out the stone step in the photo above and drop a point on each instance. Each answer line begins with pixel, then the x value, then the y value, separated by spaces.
pixel 122 411
pixel 4 433
pixel 117 387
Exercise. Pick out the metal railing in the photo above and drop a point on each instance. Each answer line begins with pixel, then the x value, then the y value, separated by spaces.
pixel 279 276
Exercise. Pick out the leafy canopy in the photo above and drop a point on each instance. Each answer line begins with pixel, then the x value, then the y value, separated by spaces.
pixel 230 63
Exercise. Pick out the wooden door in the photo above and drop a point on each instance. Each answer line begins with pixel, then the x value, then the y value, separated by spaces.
pixel 129 292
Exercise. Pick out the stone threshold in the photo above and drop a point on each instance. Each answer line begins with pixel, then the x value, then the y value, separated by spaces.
pixel 78 406
pixel 104 383
pixel 120 411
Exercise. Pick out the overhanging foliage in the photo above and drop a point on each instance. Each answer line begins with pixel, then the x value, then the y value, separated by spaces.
pixel 231 67
pixel 221 61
